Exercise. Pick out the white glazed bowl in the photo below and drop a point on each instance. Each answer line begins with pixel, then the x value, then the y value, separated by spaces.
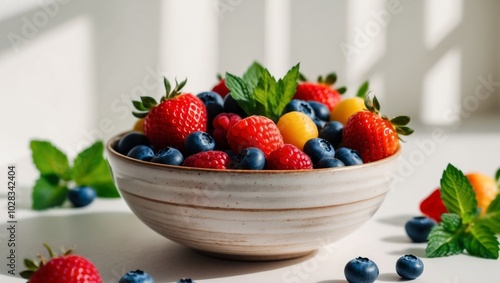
pixel 251 215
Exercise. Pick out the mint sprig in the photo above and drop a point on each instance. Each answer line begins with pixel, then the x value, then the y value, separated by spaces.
pixel 463 228
pixel 259 93
pixel 57 176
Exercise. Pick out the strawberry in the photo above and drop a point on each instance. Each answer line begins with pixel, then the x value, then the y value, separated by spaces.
pixel 320 91
pixel 173 119
pixel 374 136
pixel 255 131
pixel 288 157
pixel 68 268
pixel 221 87
pixel 214 159
pixel 433 205
pixel 221 124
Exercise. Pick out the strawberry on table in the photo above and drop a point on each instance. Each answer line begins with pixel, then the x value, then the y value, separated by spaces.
pixel 68 268
pixel 372 135
pixel 320 91
pixel 176 116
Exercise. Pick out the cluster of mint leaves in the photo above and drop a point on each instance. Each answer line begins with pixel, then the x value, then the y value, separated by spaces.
pixel 463 228
pixel 57 175
pixel 259 93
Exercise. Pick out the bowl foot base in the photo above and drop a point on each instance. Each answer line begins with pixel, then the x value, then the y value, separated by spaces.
pixel 258 257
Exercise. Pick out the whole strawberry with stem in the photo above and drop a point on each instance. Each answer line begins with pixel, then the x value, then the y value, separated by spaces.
pixel 320 91
pixel 372 135
pixel 177 115
pixel 67 268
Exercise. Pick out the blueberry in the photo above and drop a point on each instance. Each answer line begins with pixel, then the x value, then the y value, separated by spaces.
pixel 168 155
pixel 332 132
pixel 348 156
pixel 409 267
pixel 137 276
pixel 197 142
pixel 300 106
pixel 319 123
pixel 321 111
pixel 186 280
pixel 141 152
pixel 361 270
pixel 81 196
pixel 318 148
pixel 418 228
pixel 329 162
pixel 129 141
pixel 231 106
pixel 213 102
pixel 250 158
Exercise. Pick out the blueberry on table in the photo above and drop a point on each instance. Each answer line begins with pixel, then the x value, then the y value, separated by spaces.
pixel 168 155
pixel 141 152
pixel 137 276
pixel 409 267
pixel 197 142
pixel 81 196
pixel 213 102
pixel 418 228
pixel 332 132
pixel 329 162
pixel 130 140
pixel 318 148
pixel 300 106
pixel 321 111
pixel 250 158
pixel 361 270
pixel 348 156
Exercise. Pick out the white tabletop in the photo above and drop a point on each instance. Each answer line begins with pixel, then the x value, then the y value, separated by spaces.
pixel 116 241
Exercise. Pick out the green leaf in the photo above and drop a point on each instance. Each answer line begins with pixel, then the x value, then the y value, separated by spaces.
pixel 457 194
pixel 451 221
pixel 342 90
pixel 139 106
pixel 264 93
pixel 492 217
pixel 106 189
pixel 443 242
pixel 400 121
pixel 26 274
pixel 481 241
pixel 497 175
pixel 240 91
pixel 252 75
pixel 91 169
pixel 285 91
pixel 331 79
pixel 140 115
pixel 363 89
pixel 48 192
pixel 30 264
pixel 148 102
pixel 49 159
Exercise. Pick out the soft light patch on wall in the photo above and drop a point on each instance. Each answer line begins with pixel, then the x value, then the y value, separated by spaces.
pixel 441 17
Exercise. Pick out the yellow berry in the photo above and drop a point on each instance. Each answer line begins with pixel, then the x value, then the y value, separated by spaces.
pixel 346 108
pixel 139 125
pixel 297 128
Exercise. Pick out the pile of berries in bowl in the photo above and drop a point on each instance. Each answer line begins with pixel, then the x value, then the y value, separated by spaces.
pixel 258 170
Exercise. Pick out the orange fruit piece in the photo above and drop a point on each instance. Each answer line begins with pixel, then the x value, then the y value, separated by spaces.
pixel 346 108
pixel 297 128
pixel 139 125
pixel 486 189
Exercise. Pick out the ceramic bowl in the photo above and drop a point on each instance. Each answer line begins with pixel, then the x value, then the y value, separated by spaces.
pixel 251 215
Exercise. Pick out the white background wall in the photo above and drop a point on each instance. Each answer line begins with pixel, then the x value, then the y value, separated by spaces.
pixel 68 69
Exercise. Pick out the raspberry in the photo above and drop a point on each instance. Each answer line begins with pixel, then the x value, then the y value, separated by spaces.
pixel 255 131
pixel 288 157
pixel 222 123
pixel 214 159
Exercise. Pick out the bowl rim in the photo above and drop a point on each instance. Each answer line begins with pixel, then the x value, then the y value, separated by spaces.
pixel 110 147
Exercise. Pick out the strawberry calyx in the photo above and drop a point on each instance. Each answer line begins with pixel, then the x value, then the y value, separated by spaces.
pixel 147 103
pixel 329 80
pixel 399 123
pixel 33 266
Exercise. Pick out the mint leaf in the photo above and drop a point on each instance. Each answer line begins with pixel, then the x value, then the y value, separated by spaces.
pixel 492 217
pixel 49 159
pixel 48 192
pixel 91 169
pixel 253 74
pixel 457 194
pixel 443 242
pixel 451 221
pixel 241 92
pixel 285 91
pixel 363 89
pixel 481 241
